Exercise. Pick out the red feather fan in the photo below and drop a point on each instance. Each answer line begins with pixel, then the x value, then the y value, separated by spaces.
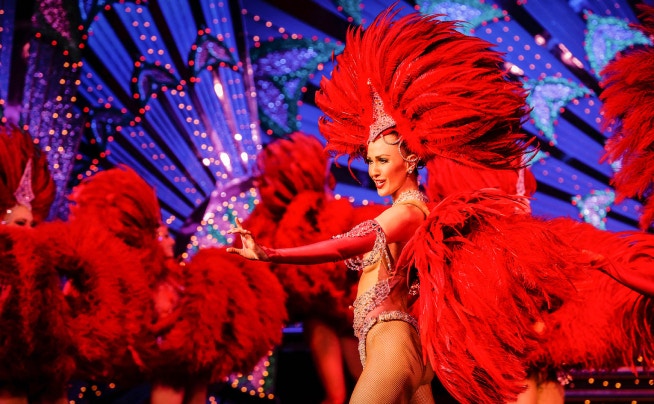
pixel 202 343
pixel 248 313
pixel 482 289
pixel 479 301
pixel 107 296
pixel 609 324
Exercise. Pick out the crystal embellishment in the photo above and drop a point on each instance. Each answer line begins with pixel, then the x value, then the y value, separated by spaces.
pixel 24 194
pixel 380 119
pixel 411 195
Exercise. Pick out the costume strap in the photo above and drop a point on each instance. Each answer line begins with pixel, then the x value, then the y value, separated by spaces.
pixel 379 249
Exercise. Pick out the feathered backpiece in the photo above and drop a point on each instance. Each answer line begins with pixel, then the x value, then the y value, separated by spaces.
pixel 484 289
pixel 123 201
pixel 442 91
pixel 290 166
pixel 628 98
pixel 24 174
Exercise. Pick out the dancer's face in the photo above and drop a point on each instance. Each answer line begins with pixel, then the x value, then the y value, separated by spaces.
pixel 387 168
pixel 18 215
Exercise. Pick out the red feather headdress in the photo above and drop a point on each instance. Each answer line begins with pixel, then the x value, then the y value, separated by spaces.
pixel 628 98
pixel 288 167
pixel 123 201
pixel 443 92
pixel 17 149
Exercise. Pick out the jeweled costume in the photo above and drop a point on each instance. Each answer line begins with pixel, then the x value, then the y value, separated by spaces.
pixel 386 306
pixel 387 299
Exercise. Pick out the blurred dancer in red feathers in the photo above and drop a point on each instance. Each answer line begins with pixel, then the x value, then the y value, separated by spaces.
pixel 298 207
pixel 34 340
pixel 403 92
pixel 200 321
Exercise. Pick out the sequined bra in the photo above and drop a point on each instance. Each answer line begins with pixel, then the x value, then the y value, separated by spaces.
pixel 379 249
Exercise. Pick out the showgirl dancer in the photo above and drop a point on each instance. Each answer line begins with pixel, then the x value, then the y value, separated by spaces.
pixel 403 92
pixel 34 339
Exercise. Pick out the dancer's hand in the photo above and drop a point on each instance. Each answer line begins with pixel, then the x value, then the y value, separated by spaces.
pixel 250 250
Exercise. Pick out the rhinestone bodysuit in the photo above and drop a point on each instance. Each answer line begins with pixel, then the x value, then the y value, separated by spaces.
pixel 387 299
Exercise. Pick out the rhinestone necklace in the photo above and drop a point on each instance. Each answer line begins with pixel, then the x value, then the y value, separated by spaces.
pixel 412 194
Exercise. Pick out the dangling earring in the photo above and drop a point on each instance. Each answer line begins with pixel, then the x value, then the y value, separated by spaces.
pixel 410 171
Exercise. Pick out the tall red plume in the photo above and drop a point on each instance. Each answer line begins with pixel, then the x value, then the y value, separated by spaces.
pixel 628 98
pixel 290 166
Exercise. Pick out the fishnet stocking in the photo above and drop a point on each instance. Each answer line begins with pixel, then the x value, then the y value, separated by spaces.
pixel 423 395
pixel 394 372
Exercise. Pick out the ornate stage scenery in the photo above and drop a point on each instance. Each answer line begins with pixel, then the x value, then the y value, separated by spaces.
pixel 189 92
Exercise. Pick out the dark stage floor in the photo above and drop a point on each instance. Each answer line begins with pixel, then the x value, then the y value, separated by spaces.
pixel 295 382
